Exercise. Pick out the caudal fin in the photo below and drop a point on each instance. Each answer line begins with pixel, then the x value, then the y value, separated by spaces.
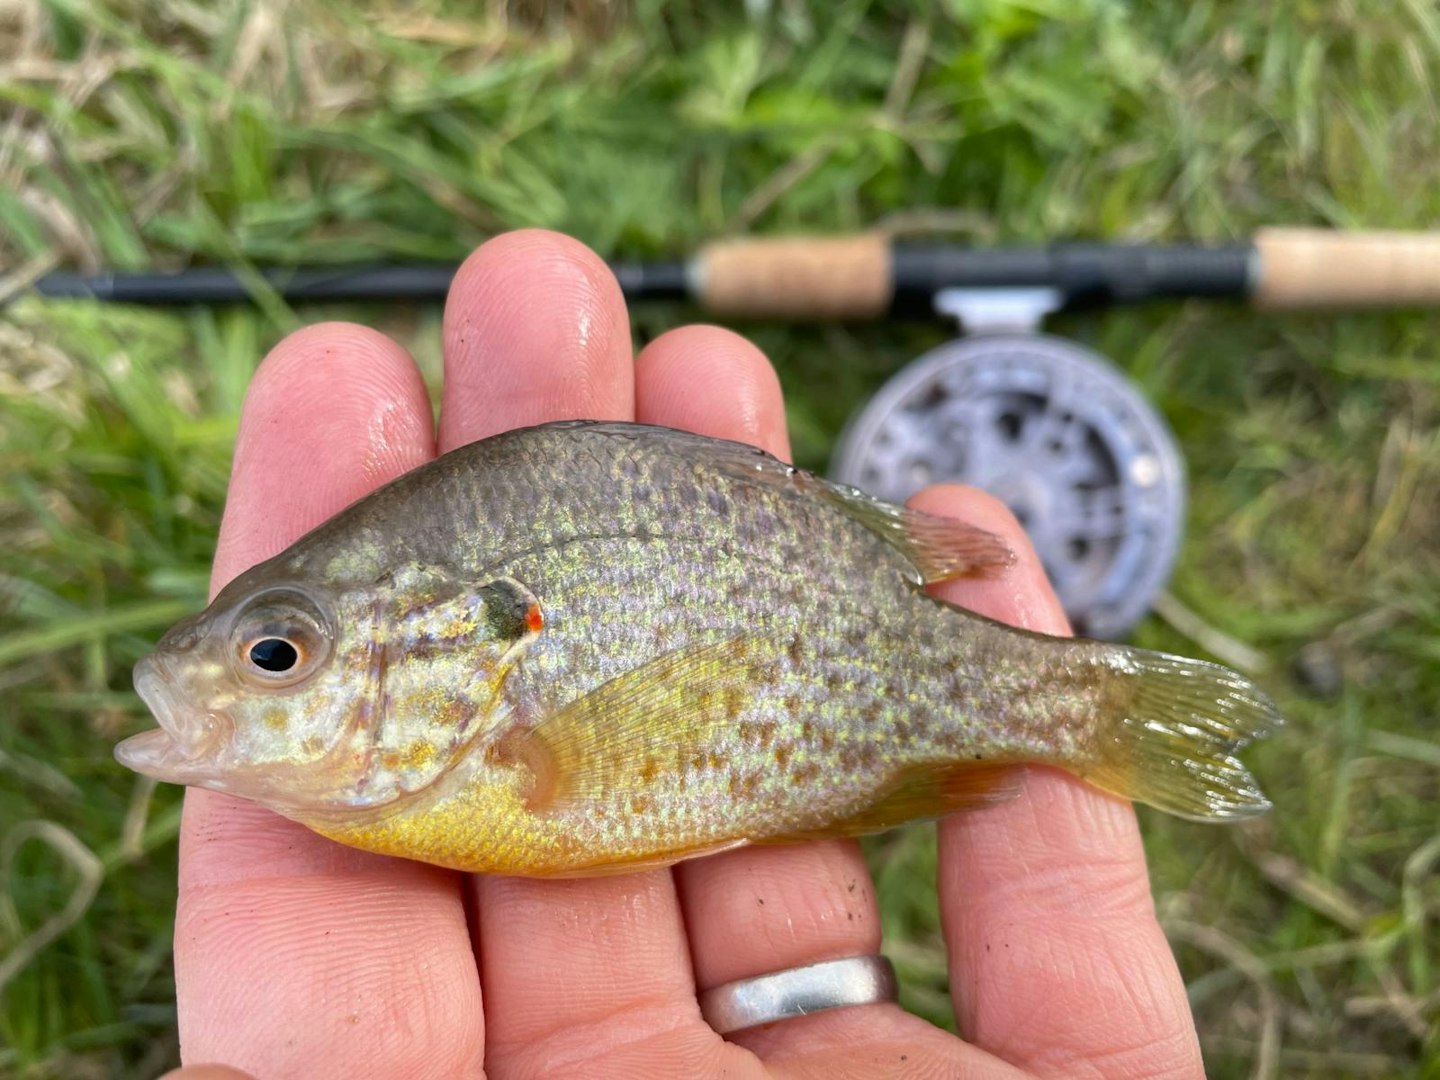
pixel 1169 728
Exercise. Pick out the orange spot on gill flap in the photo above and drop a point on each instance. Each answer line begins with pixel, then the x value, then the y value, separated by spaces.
pixel 534 619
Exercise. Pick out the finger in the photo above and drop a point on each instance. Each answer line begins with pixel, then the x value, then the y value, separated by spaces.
pixel 333 412
pixel 713 382
pixel 760 910
pixel 293 955
pixel 574 971
pixel 763 909
pixel 535 330
pixel 1045 899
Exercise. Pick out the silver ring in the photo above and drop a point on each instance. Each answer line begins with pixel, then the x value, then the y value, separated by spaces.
pixel 747 1003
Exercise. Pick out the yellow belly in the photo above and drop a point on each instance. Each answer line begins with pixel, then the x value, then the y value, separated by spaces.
pixel 485 827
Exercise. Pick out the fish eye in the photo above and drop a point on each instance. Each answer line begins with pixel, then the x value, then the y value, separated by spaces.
pixel 274 654
pixel 279 639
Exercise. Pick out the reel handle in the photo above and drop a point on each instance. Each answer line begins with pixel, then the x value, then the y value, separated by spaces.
pixel 1321 268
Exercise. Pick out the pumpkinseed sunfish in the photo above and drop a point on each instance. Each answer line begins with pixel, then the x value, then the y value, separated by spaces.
pixel 587 648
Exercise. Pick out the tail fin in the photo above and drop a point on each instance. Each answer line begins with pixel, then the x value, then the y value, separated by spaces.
pixel 1168 731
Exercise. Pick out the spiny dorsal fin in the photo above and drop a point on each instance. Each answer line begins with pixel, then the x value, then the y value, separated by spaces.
pixel 628 734
pixel 939 548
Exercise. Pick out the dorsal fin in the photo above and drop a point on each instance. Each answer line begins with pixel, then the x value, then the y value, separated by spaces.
pixel 939 548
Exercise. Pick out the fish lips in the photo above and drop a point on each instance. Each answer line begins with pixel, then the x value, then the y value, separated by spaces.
pixel 178 750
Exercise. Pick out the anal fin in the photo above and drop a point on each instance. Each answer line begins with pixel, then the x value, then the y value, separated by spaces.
pixel 658 861
pixel 921 793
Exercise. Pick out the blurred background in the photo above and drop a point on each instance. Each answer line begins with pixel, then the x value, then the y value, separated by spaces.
pixel 170 133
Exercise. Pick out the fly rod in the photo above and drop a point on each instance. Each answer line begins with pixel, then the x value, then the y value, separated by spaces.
pixel 870 275
pixel 1056 431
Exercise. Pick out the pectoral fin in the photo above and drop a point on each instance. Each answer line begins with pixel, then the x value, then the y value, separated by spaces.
pixel 623 737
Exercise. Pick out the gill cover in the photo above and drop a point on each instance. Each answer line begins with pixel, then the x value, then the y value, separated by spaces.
pixel 441 654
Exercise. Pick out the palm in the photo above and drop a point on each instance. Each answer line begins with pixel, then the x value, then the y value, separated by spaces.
pixel 296 957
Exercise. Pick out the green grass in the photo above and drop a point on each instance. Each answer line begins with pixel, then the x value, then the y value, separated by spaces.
pixel 166 133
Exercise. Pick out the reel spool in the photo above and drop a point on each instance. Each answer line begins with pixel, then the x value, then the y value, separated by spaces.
pixel 1059 435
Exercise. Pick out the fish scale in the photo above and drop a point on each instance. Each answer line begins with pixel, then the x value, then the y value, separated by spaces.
pixel 618 600
pixel 832 708
pixel 593 647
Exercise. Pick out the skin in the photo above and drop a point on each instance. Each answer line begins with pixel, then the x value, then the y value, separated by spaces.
pixel 296 956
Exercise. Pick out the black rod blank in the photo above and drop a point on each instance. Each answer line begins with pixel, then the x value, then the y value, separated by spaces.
pixel 1085 274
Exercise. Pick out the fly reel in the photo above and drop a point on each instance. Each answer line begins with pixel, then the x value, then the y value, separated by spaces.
pixel 1059 435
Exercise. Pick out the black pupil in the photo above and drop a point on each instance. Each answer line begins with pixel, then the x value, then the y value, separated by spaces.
pixel 274 654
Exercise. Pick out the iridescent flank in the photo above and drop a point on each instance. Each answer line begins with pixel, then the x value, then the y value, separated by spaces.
pixel 585 648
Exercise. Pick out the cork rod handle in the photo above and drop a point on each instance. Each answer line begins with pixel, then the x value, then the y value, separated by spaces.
pixel 796 277
pixel 1318 268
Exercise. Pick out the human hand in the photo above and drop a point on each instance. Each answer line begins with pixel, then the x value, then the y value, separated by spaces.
pixel 298 957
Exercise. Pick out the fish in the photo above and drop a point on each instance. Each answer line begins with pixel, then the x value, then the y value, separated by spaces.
pixel 591 647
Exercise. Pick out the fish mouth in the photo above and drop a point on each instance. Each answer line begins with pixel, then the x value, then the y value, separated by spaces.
pixel 178 750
